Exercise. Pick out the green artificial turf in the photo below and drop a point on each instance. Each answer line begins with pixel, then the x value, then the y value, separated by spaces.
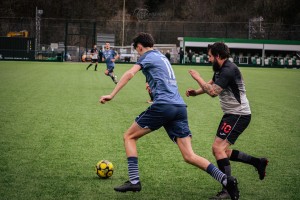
pixel 53 132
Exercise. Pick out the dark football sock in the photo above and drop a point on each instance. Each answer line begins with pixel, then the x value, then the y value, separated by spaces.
pixel 89 66
pixel 112 76
pixel 239 156
pixel 224 166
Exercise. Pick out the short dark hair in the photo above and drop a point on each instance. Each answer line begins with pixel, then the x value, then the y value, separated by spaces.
pixel 219 49
pixel 145 39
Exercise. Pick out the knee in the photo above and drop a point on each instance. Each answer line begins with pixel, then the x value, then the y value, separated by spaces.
pixel 228 152
pixel 128 136
pixel 216 150
pixel 189 158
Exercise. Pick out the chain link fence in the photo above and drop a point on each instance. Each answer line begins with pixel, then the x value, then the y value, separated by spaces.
pixel 80 35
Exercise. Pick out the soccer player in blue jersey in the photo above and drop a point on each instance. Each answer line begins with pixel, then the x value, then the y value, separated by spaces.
pixel 168 110
pixel 110 56
pixel 228 84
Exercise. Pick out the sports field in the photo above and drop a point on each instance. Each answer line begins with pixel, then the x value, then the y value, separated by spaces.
pixel 53 132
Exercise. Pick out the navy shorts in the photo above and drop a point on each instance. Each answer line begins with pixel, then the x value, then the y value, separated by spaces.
pixel 231 126
pixel 110 69
pixel 172 117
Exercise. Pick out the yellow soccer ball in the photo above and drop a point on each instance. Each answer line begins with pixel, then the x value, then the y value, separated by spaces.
pixel 104 169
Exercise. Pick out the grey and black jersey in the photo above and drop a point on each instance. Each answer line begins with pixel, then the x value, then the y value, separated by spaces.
pixel 233 98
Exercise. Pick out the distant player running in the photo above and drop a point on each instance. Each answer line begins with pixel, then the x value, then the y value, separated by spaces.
pixel 110 56
pixel 228 84
pixel 94 53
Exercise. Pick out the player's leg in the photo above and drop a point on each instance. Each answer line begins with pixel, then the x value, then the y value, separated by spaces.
pixel 114 78
pixel 219 148
pixel 130 138
pixel 89 65
pixel 185 147
pixel 229 182
pixel 96 65
pixel 149 120
pixel 230 128
pixel 178 130
pixel 259 163
pixel 106 72
pixel 112 75
pixel 237 124
pixel 226 135
pixel 109 72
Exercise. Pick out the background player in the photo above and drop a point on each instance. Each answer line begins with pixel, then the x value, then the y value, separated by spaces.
pixel 228 84
pixel 94 53
pixel 110 56
pixel 168 110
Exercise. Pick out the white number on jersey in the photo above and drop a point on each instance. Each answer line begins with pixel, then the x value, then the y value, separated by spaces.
pixel 169 67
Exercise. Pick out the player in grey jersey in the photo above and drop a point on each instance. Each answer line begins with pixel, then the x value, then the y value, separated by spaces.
pixel 228 84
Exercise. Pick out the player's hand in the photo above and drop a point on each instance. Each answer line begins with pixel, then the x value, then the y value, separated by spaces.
pixel 105 98
pixel 113 60
pixel 191 92
pixel 194 74
pixel 147 87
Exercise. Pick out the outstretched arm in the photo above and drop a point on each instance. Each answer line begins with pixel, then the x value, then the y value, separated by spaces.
pixel 115 57
pixel 209 87
pixel 192 92
pixel 129 74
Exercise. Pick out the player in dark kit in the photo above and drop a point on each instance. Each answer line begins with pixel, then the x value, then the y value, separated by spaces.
pixel 94 53
pixel 228 84
pixel 110 56
pixel 168 110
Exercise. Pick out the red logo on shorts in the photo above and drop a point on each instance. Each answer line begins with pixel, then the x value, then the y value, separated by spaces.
pixel 226 128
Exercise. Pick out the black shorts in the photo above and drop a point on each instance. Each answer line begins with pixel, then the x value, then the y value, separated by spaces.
pixel 94 60
pixel 231 126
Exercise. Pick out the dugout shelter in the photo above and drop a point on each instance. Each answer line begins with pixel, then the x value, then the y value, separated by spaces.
pixel 252 52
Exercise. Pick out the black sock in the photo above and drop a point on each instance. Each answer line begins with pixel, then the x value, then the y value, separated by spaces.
pixel 96 67
pixel 244 158
pixel 224 166
pixel 89 66
pixel 112 76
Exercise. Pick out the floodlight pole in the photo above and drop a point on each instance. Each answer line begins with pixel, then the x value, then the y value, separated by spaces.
pixel 123 23
pixel 263 56
pixel 249 29
pixel 38 14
